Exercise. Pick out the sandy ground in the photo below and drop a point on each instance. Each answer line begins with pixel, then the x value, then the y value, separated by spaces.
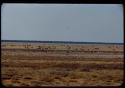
pixel 40 68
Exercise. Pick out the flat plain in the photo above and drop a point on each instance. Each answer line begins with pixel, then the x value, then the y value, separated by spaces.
pixel 46 64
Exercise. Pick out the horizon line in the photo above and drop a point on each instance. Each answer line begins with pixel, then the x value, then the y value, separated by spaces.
pixel 71 42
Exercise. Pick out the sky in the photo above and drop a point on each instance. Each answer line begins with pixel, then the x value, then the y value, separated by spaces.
pixel 62 22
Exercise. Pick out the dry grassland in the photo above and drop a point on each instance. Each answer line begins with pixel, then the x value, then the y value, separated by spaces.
pixel 42 70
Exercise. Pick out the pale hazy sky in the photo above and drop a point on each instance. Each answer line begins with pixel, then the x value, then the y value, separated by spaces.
pixel 63 22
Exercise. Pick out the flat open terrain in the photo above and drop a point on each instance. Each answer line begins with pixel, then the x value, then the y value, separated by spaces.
pixel 72 65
